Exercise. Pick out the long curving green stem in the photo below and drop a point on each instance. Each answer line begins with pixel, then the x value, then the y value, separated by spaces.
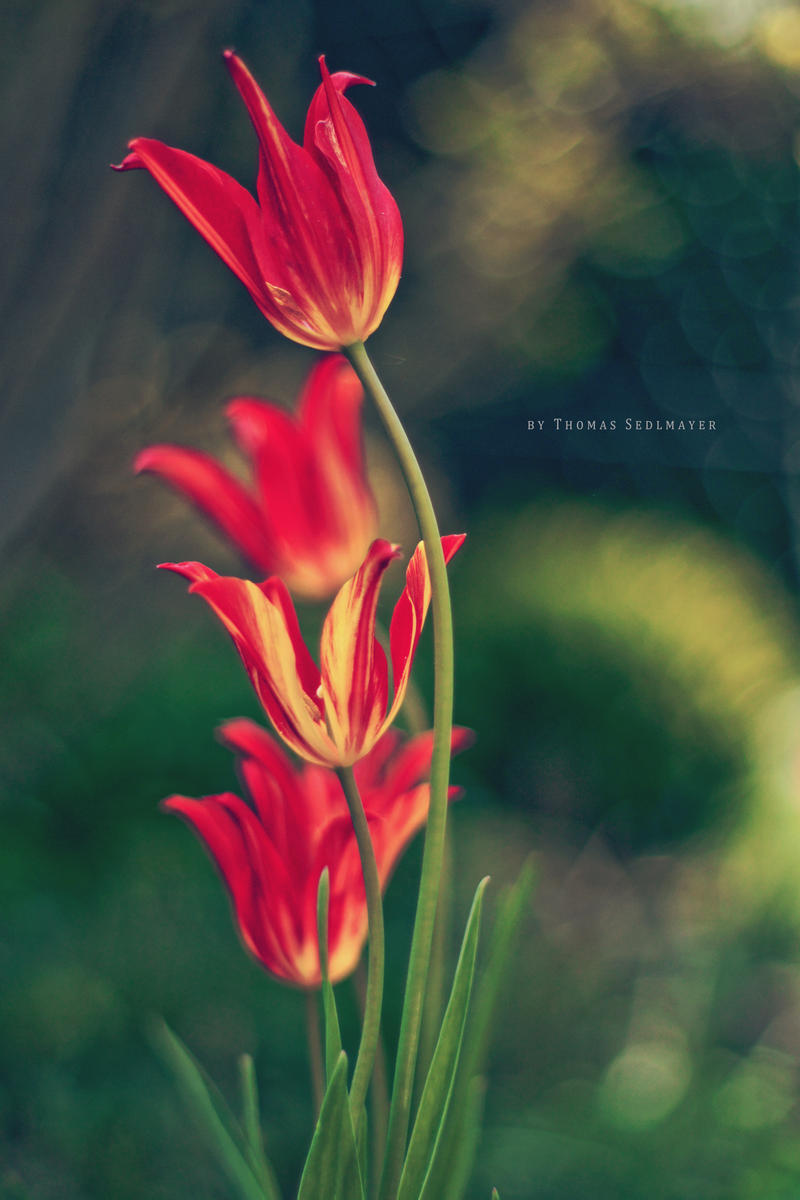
pixel 371 1027
pixel 419 959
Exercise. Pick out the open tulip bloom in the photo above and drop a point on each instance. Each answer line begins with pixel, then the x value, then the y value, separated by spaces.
pixel 310 515
pixel 321 250
pixel 271 855
pixel 335 713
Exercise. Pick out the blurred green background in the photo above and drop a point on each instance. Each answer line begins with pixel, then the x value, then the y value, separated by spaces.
pixel 601 211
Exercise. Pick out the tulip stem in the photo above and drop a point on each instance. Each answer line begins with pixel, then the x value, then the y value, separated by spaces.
pixel 430 877
pixel 371 1026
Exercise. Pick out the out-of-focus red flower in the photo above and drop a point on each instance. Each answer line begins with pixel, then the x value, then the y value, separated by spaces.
pixel 271 855
pixel 333 714
pixel 311 515
pixel 321 250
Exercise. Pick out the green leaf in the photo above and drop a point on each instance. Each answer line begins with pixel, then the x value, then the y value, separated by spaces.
pixel 210 1110
pixel 333 1037
pixel 362 1144
pixel 450 1171
pixel 460 1158
pixel 331 1171
pixel 252 1130
pixel 495 1194
pixel 433 1106
pixel 511 909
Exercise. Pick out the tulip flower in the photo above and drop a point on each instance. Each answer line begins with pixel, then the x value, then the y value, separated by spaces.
pixel 321 250
pixel 272 854
pixel 334 714
pixel 311 515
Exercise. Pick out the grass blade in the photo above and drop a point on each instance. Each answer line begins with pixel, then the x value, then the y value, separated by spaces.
pixel 210 1110
pixel 254 1137
pixel 436 1094
pixel 332 1171
pixel 333 1036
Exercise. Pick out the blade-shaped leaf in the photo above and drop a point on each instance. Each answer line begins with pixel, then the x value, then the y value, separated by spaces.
pixel 331 1171
pixel 510 911
pixel 433 1105
pixel 210 1110
pixel 362 1144
pixel 448 1165
pixel 333 1037
pixel 252 1130
pixel 495 1194
pixel 462 1158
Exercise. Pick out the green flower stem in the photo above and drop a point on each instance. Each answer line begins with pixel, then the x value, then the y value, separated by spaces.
pixel 435 993
pixel 419 959
pixel 371 1026
pixel 315 1052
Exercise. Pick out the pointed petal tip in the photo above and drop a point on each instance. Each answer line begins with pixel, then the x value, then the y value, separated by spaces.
pixel 172 804
pixel 130 162
pixel 195 572
pixel 451 543
pixel 143 460
pixel 462 738
pixel 234 63
pixel 341 75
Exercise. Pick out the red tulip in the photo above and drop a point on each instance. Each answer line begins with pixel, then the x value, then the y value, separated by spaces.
pixel 272 855
pixel 333 714
pixel 311 515
pixel 321 250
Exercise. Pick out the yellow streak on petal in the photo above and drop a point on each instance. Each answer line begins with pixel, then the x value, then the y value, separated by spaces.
pixel 275 650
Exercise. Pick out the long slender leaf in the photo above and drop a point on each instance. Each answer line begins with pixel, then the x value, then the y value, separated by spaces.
pixel 333 1036
pixel 210 1110
pixel 433 1106
pixel 362 1145
pixel 453 1185
pixel 495 1194
pixel 463 1160
pixel 331 1171
pixel 252 1130
pixel 510 911
pixel 449 1164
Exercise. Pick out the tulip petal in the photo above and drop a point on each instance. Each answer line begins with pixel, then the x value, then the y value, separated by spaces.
pixel 343 513
pixel 409 616
pixel 274 890
pixel 212 489
pixel 412 762
pixel 330 419
pixel 193 571
pixel 352 663
pixel 220 209
pixel 336 134
pixel 281 460
pixel 297 205
pixel 263 625
pixel 253 893
pixel 270 782
pixel 370 771
pixel 399 824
